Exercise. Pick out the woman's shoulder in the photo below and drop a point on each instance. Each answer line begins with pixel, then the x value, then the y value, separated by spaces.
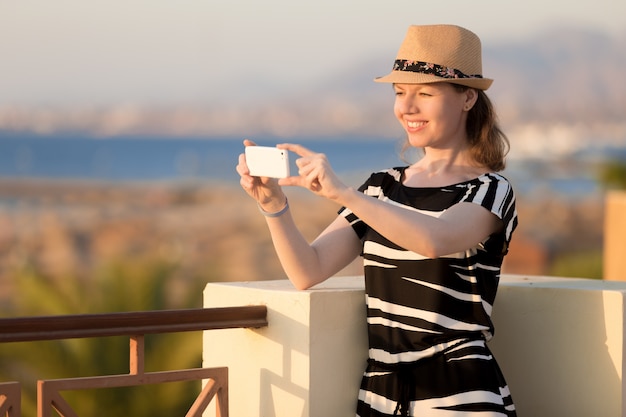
pixel 492 179
pixel 384 179
pixel 388 175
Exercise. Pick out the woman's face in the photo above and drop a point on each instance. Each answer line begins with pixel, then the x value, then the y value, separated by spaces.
pixel 433 115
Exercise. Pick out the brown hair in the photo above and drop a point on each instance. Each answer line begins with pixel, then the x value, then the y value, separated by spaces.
pixel 488 143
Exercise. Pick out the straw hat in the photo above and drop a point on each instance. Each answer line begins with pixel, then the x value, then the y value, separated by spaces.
pixel 438 53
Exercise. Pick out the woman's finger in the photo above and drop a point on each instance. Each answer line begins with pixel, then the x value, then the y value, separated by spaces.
pixel 242 166
pixel 297 149
pixel 292 181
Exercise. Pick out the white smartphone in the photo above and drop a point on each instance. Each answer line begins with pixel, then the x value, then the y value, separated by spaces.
pixel 266 161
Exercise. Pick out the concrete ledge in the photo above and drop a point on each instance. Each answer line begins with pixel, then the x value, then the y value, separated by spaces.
pixel 560 343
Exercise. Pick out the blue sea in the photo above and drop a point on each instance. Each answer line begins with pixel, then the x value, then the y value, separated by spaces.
pixel 141 159
pixel 165 159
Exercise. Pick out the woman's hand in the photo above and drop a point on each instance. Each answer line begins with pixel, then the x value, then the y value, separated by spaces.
pixel 266 191
pixel 314 173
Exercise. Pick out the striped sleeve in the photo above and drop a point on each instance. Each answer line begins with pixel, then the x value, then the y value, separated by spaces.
pixel 494 192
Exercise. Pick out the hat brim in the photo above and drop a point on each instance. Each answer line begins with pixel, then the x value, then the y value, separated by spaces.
pixel 407 77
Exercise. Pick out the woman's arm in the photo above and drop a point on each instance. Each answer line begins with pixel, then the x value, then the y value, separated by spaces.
pixel 460 227
pixel 309 264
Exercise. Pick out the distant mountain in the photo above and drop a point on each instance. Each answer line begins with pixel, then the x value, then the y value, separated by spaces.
pixel 567 78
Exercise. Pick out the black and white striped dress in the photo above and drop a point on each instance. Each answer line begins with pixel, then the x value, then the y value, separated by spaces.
pixel 429 319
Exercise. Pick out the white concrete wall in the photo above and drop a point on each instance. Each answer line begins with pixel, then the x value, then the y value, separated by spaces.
pixel 560 343
pixel 309 360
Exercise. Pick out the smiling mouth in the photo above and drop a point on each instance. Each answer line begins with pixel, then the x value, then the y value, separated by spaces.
pixel 415 125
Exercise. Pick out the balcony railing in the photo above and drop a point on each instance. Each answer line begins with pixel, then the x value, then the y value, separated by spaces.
pixel 135 325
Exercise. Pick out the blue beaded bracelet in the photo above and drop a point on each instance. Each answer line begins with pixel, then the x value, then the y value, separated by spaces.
pixel 276 214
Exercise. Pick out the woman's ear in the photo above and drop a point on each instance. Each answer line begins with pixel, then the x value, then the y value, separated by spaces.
pixel 471 95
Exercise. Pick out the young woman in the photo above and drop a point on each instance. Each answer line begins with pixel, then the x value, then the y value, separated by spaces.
pixel 432 235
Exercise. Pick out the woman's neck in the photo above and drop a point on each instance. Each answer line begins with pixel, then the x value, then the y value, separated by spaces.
pixel 440 169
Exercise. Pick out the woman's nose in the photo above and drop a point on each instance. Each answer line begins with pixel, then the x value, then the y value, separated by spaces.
pixel 407 105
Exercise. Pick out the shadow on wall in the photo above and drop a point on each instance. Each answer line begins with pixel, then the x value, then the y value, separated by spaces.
pixel 292 383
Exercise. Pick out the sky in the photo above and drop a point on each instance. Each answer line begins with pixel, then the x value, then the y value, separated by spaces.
pixel 166 52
